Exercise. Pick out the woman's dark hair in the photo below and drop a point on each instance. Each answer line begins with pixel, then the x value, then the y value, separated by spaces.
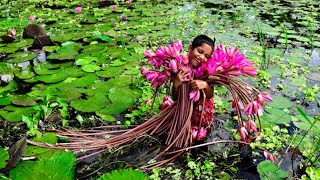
pixel 199 40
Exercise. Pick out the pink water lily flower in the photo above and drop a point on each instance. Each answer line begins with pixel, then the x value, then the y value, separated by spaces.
pixel 243 133
pixel 199 135
pixel 113 7
pixel 166 102
pixel 262 97
pixel 32 19
pixel 173 66
pixel 251 125
pixel 78 9
pixel 269 157
pixel 194 95
pixel 12 32
pixel 253 108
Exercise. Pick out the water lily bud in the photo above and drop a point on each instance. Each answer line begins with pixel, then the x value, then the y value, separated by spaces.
pixel 148 101
pixel 32 19
pixel 12 32
pixel 78 9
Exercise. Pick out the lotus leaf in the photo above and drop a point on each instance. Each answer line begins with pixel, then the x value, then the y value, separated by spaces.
pixel 14 114
pixel 90 68
pixel 58 167
pixel 4 157
pixel 85 60
pixel 22 57
pixel 280 102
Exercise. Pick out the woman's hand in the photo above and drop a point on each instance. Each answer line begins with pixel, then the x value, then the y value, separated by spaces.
pixel 198 84
pixel 180 78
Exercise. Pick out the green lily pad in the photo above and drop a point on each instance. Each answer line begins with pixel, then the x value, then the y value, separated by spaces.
pixel 4 157
pixel 14 114
pixel 110 71
pixel 295 59
pixel 24 102
pixel 314 76
pixel 106 117
pixel 103 37
pixel 41 69
pixel 25 74
pixel 276 116
pixel 118 62
pixel 50 48
pixel 90 68
pixel 91 104
pixel 283 41
pixel 120 81
pixel 6 68
pixel 5 101
pixel 299 81
pixel 22 57
pixel 22 43
pixel 8 49
pixel 280 102
pixel 268 170
pixel 302 124
pixel 124 174
pixel 72 45
pixel 85 60
pixel 64 53
pixel 59 167
pixel 274 71
pixel 12 86
pixel 85 81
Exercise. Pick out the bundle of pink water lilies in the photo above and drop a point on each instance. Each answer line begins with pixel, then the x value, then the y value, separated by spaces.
pixel 221 68
pixel 173 123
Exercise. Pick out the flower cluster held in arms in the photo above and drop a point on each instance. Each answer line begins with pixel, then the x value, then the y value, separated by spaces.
pixel 221 68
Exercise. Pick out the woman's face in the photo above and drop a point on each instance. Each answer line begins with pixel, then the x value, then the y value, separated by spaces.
pixel 199 54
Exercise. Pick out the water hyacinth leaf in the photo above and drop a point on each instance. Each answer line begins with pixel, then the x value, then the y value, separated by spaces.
pixel 124 174
pixel 14 114
pixel 110 71
pixel 280 102
pixel 4 157
pixel 268 170
pixel 22 57
pixel 106 117
pixel 59 167
pixel 85 60
pixel 90 68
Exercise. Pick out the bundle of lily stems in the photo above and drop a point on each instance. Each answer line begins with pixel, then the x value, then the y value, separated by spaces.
pixel 174 121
